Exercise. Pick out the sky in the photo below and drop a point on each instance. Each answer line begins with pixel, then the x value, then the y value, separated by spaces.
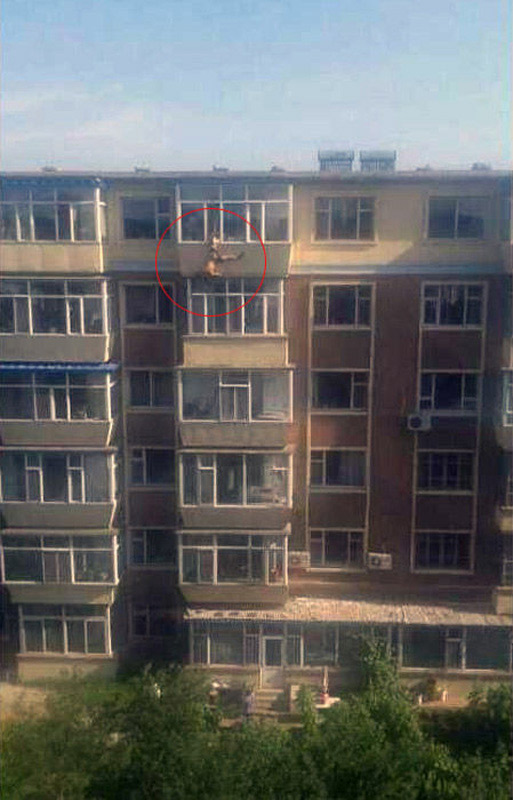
pixel 247 84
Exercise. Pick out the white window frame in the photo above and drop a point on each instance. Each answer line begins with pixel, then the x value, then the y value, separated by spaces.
pixel 427 400
pixel 221 203
pixel 457 199
pixel 156 290
pixel 251 373
pixel 30 204
pixel 320 457
pixel 68 297
pixel 67 387
pixel 437 301
pixel 142 460
pixel 360 200
pixel 441 570
pixel 445 454
pixel 507 402
pixel 214 548
pixel 349 533
pixel 63 617
pixel 358 301
pixel 213 469
pixel 152 373
pixel 158 216
pixel 356 382
pixel 78 468
pixel 234 299
pixel 68 546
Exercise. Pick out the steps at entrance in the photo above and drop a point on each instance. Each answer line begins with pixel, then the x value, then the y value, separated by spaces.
pixel 270 702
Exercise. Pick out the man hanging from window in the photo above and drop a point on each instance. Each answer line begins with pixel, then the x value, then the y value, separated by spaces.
pixel 215 258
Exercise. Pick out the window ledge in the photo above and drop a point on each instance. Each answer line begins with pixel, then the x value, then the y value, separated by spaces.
pixel 46 242
pixel 337 570
pixel 152 486
pixel 153 409
pixel 363 328
pixel 89 656
pixel 338 489
pixel 445 328
pixel 339 412
pixel 453 242
pixel 441 571
pixel 344 242
pixel 445 492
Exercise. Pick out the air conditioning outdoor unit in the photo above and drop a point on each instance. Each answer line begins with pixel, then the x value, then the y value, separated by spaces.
pixel 379 560
pixel 419 422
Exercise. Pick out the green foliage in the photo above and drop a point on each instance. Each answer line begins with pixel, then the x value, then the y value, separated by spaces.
pixel 155 737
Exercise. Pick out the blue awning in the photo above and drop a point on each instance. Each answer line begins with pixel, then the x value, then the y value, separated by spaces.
pixel 56 366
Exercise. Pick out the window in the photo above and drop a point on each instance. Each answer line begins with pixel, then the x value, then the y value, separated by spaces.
pixel 55 477
pixel 146 217
pixel 337 468
pixel 335 548
pixel 340 390
pixel 265 205
pixel 455 304
pixel 507 480
pixel 153 547
pixel 236 396
pixel 488 647
pixel 151 389
pixel 58 558
pixel 457 217
pixel 442 551
pixel 153 621
pixel 52 306
pixel 319 644
pixel 423 646
pixel 342 306
pixel 152 467
pixel 445 472
pixel 262 315
pixel 342 218
pixel 449 391
pixel 148 305
pixel 54 395
pixel 232 558
pixel 226 644
pixel 63 629
pixel 235 479
pixel 508 398
pixel 45 213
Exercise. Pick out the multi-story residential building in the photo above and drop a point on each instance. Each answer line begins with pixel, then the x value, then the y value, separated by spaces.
pixel 249 485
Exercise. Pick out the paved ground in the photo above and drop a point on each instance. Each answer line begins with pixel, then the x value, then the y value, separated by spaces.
pixel 17 700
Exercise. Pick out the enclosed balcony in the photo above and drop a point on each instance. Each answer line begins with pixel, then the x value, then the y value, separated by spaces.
pixel 71 404
pixel 57 489
pixel 233 566
pixel 235 408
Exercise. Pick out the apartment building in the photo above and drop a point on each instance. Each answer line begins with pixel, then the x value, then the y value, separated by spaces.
pixel 248 486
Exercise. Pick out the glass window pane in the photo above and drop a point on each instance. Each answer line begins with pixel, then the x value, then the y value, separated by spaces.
pixel 17 403
pixel 229 479
pixel 48 315
pixel 54 636
pixel 7 315
pixel 193 225
pixel 140 388
pixel 44 222
pixel 33 636
pixel 84 223
pixel 138 218
pixel 159 466
pixel 423 647
pixel 341 305
pixel 93 316
pixel 234 229
pixel 276 222
pixel 76 636
pixel 442 217
pixel 54 478
pixel 162 389
pixel 270 396
pixel 95 637
pixel 140 305
pixel 22 565
pixel 200 392
pixel 471 217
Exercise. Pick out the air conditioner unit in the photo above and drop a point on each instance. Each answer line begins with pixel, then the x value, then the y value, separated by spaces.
pixel 419 422
pixel 379 560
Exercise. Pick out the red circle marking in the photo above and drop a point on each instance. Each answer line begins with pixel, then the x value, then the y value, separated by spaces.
pixel 225 211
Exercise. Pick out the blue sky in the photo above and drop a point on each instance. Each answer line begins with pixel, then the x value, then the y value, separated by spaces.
pixel 109 84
